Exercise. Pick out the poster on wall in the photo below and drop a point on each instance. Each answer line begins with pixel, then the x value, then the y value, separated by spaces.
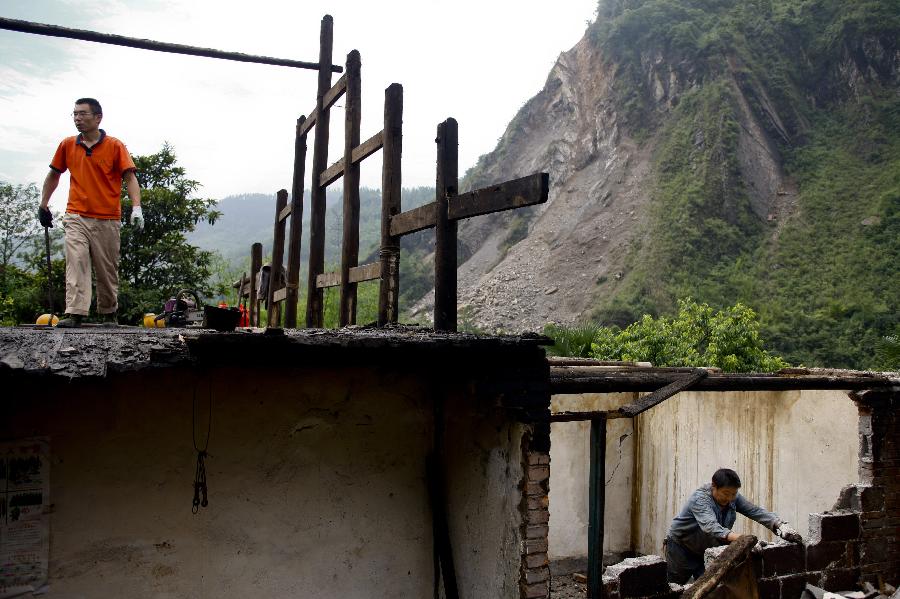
pixel 24 518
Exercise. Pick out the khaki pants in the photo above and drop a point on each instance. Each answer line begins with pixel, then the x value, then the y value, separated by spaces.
pixel 91 240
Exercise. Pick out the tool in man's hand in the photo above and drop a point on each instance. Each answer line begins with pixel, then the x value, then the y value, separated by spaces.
pixel 46 218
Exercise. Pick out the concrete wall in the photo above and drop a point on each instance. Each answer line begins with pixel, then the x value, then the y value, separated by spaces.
pixel 793 450
pixel 570 469
pixel 316 486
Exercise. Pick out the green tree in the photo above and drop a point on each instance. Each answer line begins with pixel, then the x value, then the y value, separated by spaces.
pixel 158 261
pixel 18 223
pixel 698 336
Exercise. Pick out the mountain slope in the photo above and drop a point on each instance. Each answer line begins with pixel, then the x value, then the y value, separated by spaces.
pixel 730 151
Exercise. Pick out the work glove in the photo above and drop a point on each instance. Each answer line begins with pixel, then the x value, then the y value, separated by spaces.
pixel 45 216
pixel 137 218
pixel 787 532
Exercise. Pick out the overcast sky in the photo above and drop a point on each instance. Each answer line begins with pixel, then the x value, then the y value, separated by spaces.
pixel 232 124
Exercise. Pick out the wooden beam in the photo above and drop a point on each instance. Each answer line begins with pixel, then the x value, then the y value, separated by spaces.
pixel 274 313
pixel 596 507
pixel 293 273
pixel 445 259
pixel 350 219
pixel 144 44
pixel 660 395
pixel 526 191
pixel 337 90
pixel 360 152
pixel 285 213
pixel 255 266
pixel 315 307
pixel 280 295
pixel 308 123
pixel 358 274
pixel 642 380
pixel 389 254
pixel 413 220
pixel 734 556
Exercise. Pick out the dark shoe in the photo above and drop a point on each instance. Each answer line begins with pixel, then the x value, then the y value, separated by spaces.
pixel 110 321
pixel 71 321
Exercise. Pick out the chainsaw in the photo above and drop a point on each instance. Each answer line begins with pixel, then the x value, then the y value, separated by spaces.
pixel 183 310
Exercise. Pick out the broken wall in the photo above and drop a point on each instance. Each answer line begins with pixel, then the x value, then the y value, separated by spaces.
pixel 794 451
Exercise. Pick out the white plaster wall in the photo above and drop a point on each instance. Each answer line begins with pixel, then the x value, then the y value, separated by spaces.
pixel 484 448
pixel 570 470
pixel 316 486
pixel 793 450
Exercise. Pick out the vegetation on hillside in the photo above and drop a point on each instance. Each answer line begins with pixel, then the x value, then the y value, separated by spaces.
pixel 697 335
pixel 820 76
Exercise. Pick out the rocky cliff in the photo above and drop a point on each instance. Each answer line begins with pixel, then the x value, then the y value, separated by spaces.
pixel 684 141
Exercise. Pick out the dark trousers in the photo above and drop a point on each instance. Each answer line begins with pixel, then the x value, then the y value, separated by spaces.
pixel 681 563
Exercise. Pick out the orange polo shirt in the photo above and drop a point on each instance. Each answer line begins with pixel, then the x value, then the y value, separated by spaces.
pixel 95 189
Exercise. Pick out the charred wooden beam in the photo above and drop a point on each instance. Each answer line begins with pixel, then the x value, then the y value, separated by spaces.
pixel 350 220
pixel 596 506
pixel 277 258
pixel 445 259
pixel 359 153
pixel 144 44
pixel 660 395
pixel 255 266
pixel 733 557
pixel 642 380
pixel 389 254
pixel 293 268
pixel 518 193
pixel 358 274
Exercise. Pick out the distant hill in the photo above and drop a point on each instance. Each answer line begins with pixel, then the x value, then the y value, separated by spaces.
pixel 250 218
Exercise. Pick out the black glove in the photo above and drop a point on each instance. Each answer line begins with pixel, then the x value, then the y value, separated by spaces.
pixel 45 216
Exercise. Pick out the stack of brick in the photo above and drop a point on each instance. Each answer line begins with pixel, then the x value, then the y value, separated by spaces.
pixel 878 499
pixel 639 577
pixel 535 579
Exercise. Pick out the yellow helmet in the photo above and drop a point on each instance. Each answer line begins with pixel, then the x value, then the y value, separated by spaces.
pixel 46 319
pixel 150 321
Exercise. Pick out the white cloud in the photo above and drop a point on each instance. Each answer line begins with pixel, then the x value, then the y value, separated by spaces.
pixel 232 123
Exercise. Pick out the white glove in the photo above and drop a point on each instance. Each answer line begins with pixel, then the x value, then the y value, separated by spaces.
pixel 137 218
pixel 787 532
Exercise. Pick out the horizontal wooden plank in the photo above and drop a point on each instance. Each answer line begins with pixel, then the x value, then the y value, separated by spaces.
pixel 366 272
pixel 358 274
pixel 285 212
pixel 337 90
pixel 308 123
pixel 328 279
pixel 413 220
pixel 662 394
pixel 365 149
pixel 280 295
pixel 527 191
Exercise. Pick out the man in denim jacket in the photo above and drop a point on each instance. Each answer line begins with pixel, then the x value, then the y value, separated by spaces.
pixel 705 521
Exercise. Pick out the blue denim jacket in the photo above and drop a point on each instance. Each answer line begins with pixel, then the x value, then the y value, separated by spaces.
pixel 703 523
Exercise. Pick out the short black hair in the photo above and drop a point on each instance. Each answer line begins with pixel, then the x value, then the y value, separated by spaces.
pixel 726 477
pixel 94 104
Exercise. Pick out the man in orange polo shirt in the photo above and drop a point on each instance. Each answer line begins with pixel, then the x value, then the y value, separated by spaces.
pixel 97 163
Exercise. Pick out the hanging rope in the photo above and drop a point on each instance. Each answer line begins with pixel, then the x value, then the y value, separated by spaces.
pixel 200 489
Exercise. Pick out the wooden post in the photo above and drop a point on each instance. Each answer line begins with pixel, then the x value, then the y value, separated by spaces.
pixel 389 289
pixel 255 266
pixel 274 319
pixel 596 507
pixel 293 267
pixel 350 243
pixel 445 229
pixel 315 308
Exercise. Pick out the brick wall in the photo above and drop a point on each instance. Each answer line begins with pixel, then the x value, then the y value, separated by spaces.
pixel 535 579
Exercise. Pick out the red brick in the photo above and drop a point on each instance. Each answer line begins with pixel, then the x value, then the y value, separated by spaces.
pixel 538 531
pixel 535 458
pixel 533 488
pixel 540 590
pixel 639 576
pixel 840 526
pixel 536 560
pixel 538 473
pixel 533 575
pixel 536 546
pixel 539 502
pixel 540 516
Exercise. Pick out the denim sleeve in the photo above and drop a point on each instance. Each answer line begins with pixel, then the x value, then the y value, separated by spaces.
pixel 744 506
pixel 704 513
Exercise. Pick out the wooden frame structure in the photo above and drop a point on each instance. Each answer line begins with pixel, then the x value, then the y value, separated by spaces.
pixel 443 214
